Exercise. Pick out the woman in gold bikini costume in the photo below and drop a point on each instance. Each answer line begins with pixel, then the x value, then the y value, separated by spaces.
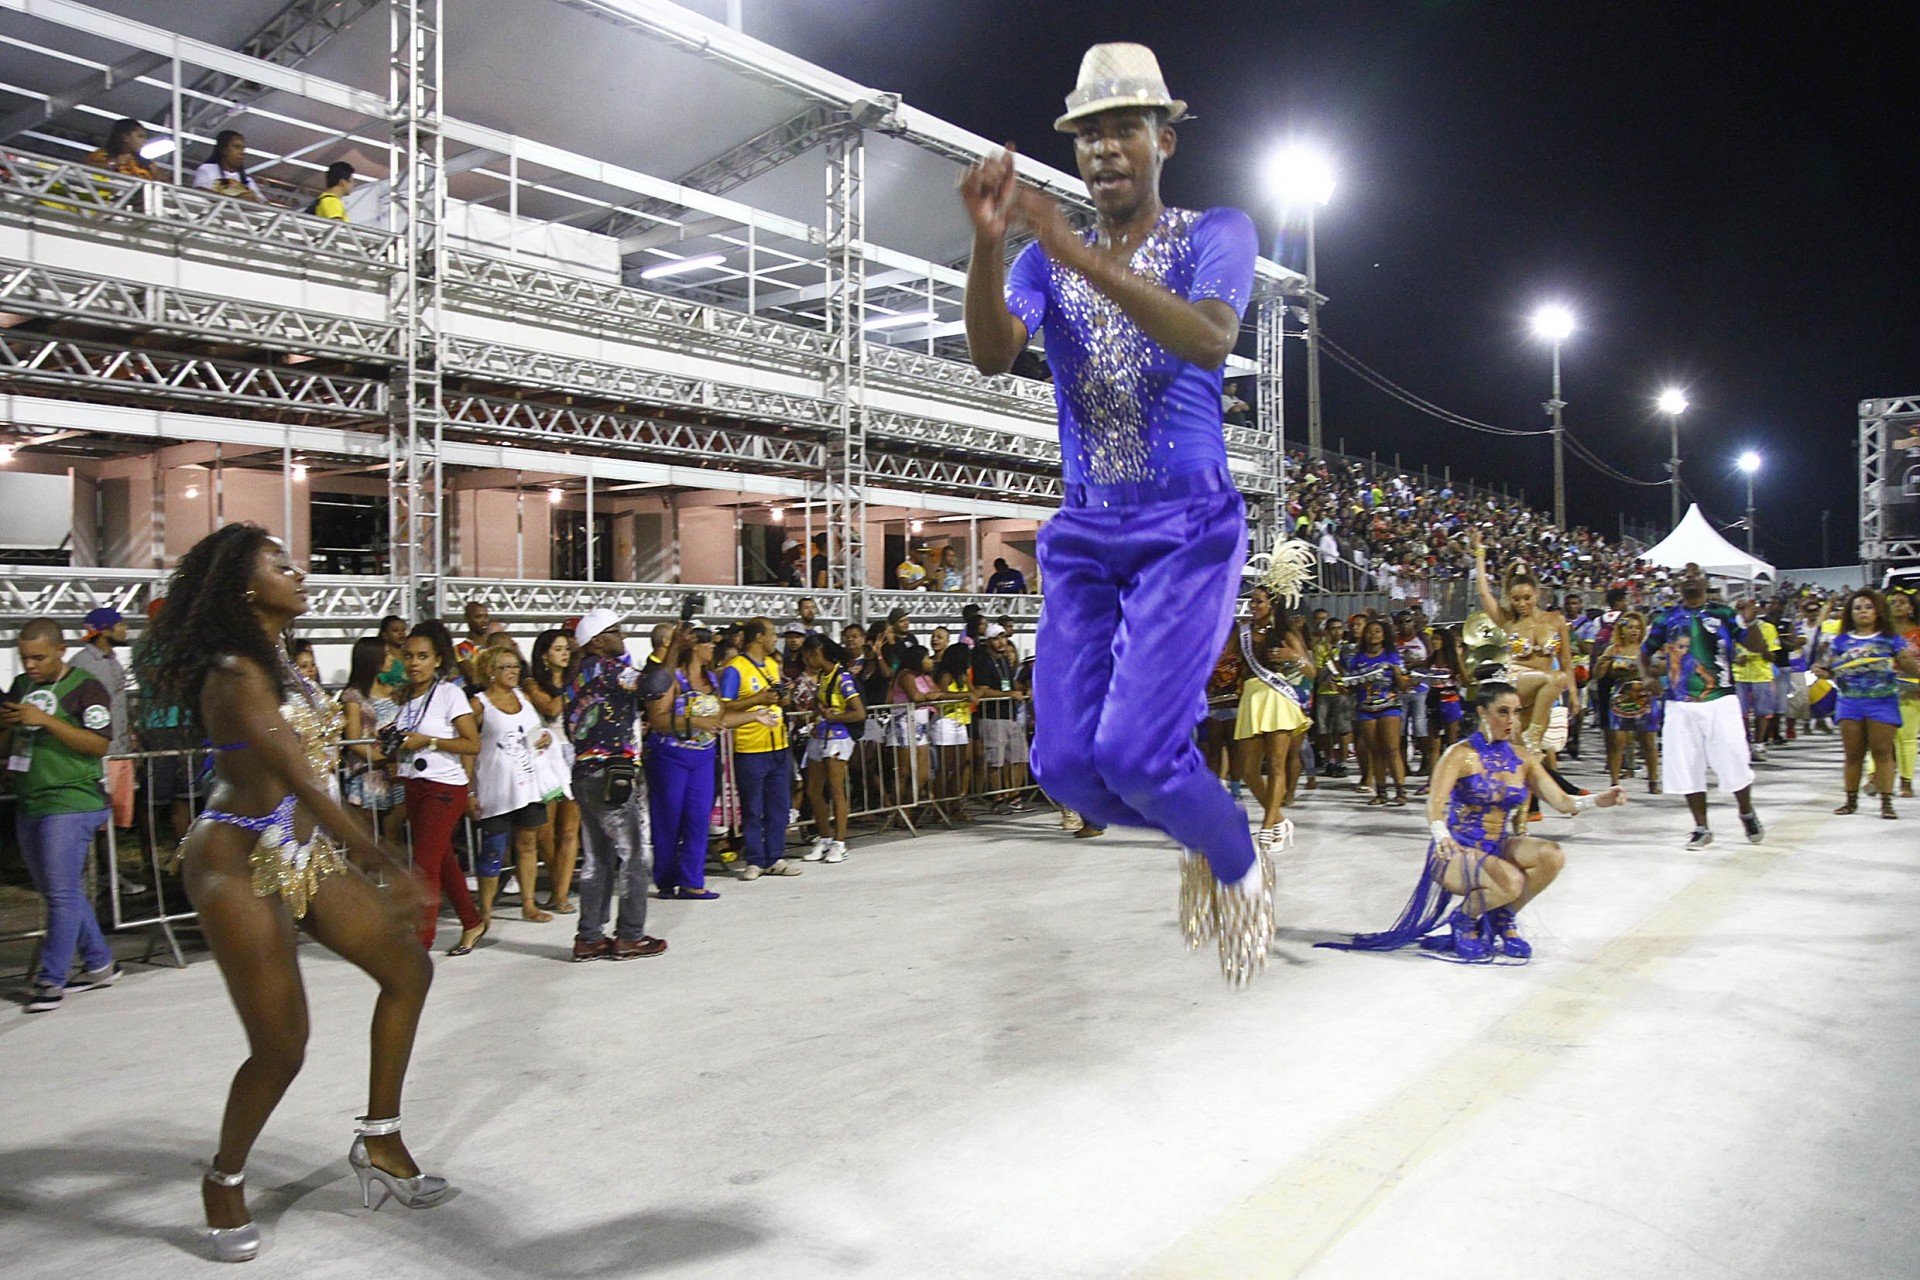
pixel 1539 645
pixel 275 852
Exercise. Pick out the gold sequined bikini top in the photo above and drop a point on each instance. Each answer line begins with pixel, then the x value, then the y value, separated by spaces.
pixel 1519 646
pixel 317 720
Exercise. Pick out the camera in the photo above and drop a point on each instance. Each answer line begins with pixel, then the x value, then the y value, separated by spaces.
pixel 691 605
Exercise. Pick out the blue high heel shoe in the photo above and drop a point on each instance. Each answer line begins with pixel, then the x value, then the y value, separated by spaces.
pixel 1501 921
pixel 1470 936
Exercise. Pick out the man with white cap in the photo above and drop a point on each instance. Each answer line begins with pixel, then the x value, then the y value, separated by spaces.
pixel 604 699
pixel 1142 562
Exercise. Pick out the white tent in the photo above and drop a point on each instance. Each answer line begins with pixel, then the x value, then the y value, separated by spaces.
pixel 1697 542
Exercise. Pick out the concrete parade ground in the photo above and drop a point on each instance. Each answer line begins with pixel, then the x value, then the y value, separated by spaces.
pixel 984 1053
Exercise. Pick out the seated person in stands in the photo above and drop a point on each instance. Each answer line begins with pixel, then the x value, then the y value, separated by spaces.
pixel 1006 581
pixel 225 171
pixel 121 154
pixel 332 200
pixel 910 574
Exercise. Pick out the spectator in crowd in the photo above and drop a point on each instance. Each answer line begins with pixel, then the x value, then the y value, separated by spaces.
pixel 164 728
pixel 55 724
pixel 479 620
pixel 370 708
pixel 106 631
pixel 949 734
pixel 910 574
pixel 509 794
pixel 939 642
pixel 818 575
pixel 1753 677
pixel 224 172
pixel 121 154
pixel 437 735
pixel 604 702
pixel 950 579
pixel 792 635
pixel 1234 410
pixel 761 761
pixel 838 708
pixel 809 613
pixel 393 634
pixel 304 659
pixel 1003 744
pixel 331 202
pixel 1332 700
pixel 1005 580
pixel 560 839
pixel 908 730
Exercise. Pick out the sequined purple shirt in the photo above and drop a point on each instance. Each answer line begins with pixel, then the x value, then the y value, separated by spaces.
pixel 1130 410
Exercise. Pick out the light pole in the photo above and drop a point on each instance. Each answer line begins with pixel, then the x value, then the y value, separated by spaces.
pixel 1553 323
pixel 1300 177
pixel 1673 403
pixel 1749 462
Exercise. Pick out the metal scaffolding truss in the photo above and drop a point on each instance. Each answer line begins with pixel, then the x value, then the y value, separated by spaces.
pixel 1270 332
pixel 903 369
pixel 1881 546
pixel 289 38
pixel 948 607
pixel 98 205
pixel 619 433
pixel 35 290
pixel 121 373
pixel 475 357
pixel 963 437
pixel 519 290
pixel 635 601
pixel 843 483
pixel 70 592
pixel 965 477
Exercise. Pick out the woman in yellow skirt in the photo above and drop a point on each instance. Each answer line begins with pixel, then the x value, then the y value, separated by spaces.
pixel 1273 719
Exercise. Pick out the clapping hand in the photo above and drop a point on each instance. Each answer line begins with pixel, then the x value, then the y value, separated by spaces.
pixel 987 189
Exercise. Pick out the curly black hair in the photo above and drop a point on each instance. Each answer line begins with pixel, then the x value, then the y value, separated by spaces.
pixel 205 617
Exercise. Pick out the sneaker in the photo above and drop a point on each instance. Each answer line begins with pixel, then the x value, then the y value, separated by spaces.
pixel 598 949
pixel 1759 752
pixel 1069 820
pixel 817 851
pixel 45 998
pixel 836 852
pixel 637 948
pixel 1700 838
pixel 1756 829
pixel 781 867
pixel 750 872
pixel 94 979
pixel 793 817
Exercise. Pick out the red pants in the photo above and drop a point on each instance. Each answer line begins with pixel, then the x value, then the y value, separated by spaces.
pixel 434 809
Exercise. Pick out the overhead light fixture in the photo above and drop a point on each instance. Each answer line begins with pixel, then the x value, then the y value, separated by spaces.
pixel 192 492
pixel 299 473
pixel 6 454
pixel 1672 400
pixel 1299 175
pixel 779 514
pixel 679 265
pixel 553 497
pixel 918 525
pixel 904 317
pixel 1748 462
pixel 157 148
pixel 1552 323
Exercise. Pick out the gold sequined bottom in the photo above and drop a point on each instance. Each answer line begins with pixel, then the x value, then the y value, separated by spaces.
pixel 1242 925
pixel 282 865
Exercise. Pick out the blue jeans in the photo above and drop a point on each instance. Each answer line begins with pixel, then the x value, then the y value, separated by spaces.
pixel 55 848
pixel 680 790
pixel 765 779
pixel 613 857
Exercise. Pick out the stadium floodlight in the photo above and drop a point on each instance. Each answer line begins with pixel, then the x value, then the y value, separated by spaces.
pixel 1553 323
pixel 1299 176
pixel 1748 462
pixel 678 266
pixel 1671 401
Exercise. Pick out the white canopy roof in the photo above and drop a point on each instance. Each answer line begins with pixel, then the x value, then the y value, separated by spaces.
pixel 1697 542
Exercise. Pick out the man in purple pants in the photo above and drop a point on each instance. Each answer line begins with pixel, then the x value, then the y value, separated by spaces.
pixel 1141 566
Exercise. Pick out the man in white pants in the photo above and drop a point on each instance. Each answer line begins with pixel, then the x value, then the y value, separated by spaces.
pixel 1691 646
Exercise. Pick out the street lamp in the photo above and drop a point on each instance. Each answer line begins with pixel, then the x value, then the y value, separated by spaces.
pixel 1673 403
pixel 1749 462
pixel 1300 177
pixel 1553 323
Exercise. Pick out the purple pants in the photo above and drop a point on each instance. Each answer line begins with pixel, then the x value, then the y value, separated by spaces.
pixel 680 794
pixel 1139 598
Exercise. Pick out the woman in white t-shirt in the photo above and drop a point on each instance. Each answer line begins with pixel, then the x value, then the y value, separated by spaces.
pixel 509 791
pixel 437 734
pixel 225 172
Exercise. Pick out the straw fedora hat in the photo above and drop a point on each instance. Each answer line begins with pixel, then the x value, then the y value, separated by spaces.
pixel 1119 75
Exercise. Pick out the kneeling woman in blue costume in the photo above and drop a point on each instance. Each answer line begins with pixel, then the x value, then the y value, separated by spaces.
pixel 1481 783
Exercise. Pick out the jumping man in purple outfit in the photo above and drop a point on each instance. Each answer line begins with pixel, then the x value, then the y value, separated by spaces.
pixel 1141 566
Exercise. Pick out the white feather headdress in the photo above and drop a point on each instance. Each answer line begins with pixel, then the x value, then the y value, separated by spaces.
pixel 1288 570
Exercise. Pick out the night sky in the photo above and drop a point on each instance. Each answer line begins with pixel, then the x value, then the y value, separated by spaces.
pixel 1722 193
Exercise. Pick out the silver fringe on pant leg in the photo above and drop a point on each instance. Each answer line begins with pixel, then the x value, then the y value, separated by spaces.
pixel 1242 925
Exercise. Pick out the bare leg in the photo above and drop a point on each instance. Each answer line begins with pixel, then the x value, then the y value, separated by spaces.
pixel 1853 739
pixel 1541 861
pixel 1493 882
pixel 526 848
pixel 1880 737
pixel 252 939
pixel 566 850
pixel 837 785
pixel 1697 806
pixel 1616 747
pixel 361 924
pixel 1650 752
pixel 1273 749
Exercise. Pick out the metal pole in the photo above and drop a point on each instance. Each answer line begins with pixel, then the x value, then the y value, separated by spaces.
pixel 1559 442
pixel 1313 345
pixel 589 522
pixel 1749 513
pixel 1673 467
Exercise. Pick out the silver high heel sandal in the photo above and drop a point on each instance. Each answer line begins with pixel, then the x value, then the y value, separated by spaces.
pixel 232 1244
pixel 1282 837
pixel 418 1192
